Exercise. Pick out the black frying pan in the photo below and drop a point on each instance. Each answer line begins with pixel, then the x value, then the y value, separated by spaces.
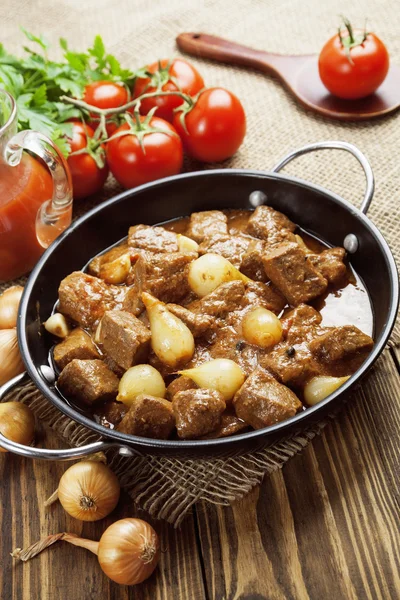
pixel 315 209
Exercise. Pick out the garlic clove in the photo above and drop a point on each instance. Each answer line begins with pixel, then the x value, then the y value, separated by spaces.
pixel 57 325
pixel 186 244
pixel 319 388
pixel 116 271
pixel 209 271
pixel 10 359
pixel 171 340
pixel 222 374
pixel 9 304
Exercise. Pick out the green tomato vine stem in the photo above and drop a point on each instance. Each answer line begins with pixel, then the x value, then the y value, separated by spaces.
pixel 125 107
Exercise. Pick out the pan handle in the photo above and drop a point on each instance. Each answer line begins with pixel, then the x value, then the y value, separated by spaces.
pixel 335 145
pixel 45 454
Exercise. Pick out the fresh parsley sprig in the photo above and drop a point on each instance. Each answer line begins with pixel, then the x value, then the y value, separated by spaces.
pixel 37 84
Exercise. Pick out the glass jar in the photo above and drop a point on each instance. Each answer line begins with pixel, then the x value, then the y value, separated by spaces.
pixel 35 193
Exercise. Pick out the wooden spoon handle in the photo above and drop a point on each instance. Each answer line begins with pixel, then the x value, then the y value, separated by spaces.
pixel 216 48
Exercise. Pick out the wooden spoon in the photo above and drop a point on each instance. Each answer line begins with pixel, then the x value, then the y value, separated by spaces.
pixel 300 75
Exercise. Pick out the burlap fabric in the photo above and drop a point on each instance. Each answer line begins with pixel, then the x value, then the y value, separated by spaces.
pixel 139 33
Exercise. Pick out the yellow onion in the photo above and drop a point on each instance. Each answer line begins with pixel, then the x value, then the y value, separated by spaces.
pixel 261 327
pixel 209 271
pixel 9 303
pixel 140 379
pixel 10 359
pixel 89 491
pixel 128 551
pixel 221 374
pixel 171 340
pixel 17 423
pixel 321 387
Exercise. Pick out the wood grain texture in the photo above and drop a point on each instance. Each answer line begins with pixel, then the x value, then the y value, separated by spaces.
pixel 67 573
pixel 325 527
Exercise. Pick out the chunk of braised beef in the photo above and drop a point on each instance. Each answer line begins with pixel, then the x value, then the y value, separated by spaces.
pixel 198 323
pixel 301 323
pixel 252 265
pixel 227 342
pixel 330 264
pixel 288 267
pixel 149 417
pixel 231 247
pixel 226 298
pixel 207 224
pixel 230 425
pixel 291 364
pixel 161 275
pixel 180 384
pixel 85 299
pixel 88 381
pixel 266 221
pixel 264 295
pixel 124 338
pixel 152 239
pixel 197 412
pixel 78 344
pixel 262 401
pixel 341 349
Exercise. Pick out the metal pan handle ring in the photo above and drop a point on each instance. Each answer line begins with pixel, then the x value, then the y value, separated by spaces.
pixel 334 145
pixel 45 454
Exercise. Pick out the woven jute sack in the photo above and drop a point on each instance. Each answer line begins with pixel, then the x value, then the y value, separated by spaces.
pixel 138 34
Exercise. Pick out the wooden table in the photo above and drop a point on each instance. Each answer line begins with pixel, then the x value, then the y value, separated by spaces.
pixel 326 526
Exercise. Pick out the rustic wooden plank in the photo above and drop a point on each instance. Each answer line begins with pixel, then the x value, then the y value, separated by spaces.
pixel 64 572
pixel 327 525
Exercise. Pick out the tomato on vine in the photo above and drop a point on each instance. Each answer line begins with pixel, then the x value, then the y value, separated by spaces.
pixel 144 149
pixel 212 126
pixel 105 94
pixel 353 63
pixel 167 76
pixel 88 169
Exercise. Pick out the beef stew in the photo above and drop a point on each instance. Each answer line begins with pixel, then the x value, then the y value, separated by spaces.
pixel 274 266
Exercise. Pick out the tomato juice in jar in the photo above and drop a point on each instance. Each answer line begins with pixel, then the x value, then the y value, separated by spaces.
pixel 35 201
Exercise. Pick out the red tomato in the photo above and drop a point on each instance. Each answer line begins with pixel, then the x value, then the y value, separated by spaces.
pixel 354 64
pixel 105 94
pixel 162 155
pixel 189 79
pixel 87 177
pixel 215 126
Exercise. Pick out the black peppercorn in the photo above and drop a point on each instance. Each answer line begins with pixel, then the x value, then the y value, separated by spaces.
pixel 291 351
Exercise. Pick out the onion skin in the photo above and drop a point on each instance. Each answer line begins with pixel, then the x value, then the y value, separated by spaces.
pixel 10 359
pixel 89 491
pixel 17 423
pixel 129 551
pixel 9 304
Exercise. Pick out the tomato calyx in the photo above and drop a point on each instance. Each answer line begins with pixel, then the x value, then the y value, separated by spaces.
pixel 140 127
pixel 352 40
pixel 161 77
pixel 187 106
pixel 93 148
